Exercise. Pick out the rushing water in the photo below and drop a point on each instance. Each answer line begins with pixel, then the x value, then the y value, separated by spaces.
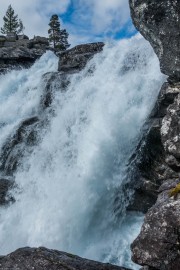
pixel 70 182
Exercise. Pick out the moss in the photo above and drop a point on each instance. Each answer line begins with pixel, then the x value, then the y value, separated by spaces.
pixel 175 191
pixel 71 255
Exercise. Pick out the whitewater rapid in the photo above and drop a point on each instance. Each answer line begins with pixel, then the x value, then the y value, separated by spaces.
pixel 71 180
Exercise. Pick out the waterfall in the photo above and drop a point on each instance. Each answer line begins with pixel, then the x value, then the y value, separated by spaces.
pixel 67 187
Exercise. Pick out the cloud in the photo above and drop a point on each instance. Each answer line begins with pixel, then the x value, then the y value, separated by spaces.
pixel 102 16
pixel 85 20
pixel 35 14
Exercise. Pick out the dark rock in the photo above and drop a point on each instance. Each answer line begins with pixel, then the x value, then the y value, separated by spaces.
pixel 151 162
pixel 5 186
pixel 76 58
pixel 14 148
pixel 158 21
pixel 53 81
pixel 46 259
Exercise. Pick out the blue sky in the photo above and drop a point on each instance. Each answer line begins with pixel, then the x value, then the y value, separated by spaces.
pixel 85 20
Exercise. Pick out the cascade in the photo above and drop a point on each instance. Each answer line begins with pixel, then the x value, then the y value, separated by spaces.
pixel 66 189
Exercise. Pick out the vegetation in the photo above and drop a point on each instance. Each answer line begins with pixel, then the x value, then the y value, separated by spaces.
pixel 58 38
pixel 175 191
pixel 11 22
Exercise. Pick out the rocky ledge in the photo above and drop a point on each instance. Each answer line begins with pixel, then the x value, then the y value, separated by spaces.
pixel 46 259
pixel 75 59
pixel 157 159
pixel 21 53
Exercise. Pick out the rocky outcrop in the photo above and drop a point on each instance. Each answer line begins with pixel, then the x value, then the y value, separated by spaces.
pixel 158 242
pixel 75 59
pixel 45 259
pixel 21 52
pixel 158 21
pixel 152 164
pixel 158 156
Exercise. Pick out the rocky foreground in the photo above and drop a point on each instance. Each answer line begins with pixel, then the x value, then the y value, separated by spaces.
pixel 48 259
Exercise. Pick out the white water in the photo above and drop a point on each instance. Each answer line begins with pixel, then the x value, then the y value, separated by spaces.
pixel 69 187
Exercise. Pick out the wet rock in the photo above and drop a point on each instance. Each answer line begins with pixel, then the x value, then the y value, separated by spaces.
pixel 5 186
pixel 45 259
pixel 13 150
pixel 158 22
pixel 75 59
pixel 53 81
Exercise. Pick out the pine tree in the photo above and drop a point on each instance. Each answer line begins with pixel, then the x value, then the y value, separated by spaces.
pixel 11 23
pixel 57 37
pixel 21 27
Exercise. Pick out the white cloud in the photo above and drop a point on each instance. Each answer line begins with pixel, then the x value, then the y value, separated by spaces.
pixel 89 20
pixel 34 13
pixel 102 15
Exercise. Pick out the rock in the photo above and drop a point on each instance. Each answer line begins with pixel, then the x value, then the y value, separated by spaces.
pixel 46 259
pixel 20 52
pixel 5 186
pixel 75 59
pixel 152 164
pixel 158 21
pixel 22 141
pixel 53 81
pixel 170 132
pixel 158 244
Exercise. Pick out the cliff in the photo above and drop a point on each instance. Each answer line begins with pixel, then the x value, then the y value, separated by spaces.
pixel 158 156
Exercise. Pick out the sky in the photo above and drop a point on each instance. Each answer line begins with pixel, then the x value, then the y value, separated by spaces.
pixel 84 20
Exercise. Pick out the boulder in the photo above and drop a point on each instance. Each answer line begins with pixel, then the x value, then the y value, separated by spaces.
pixel 75 59
pixel 46 259
pixel 158 21
pixel 158 244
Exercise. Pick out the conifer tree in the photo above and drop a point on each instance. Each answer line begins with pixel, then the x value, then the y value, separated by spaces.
pixel 11 23
pixel 21 27
pixel 57 37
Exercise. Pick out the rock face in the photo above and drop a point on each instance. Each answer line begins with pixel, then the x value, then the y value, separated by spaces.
pixel 76 58
pixel 158 156
pixel 46 259
pixel 159 22
pixel 153 165
pixel 157 245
